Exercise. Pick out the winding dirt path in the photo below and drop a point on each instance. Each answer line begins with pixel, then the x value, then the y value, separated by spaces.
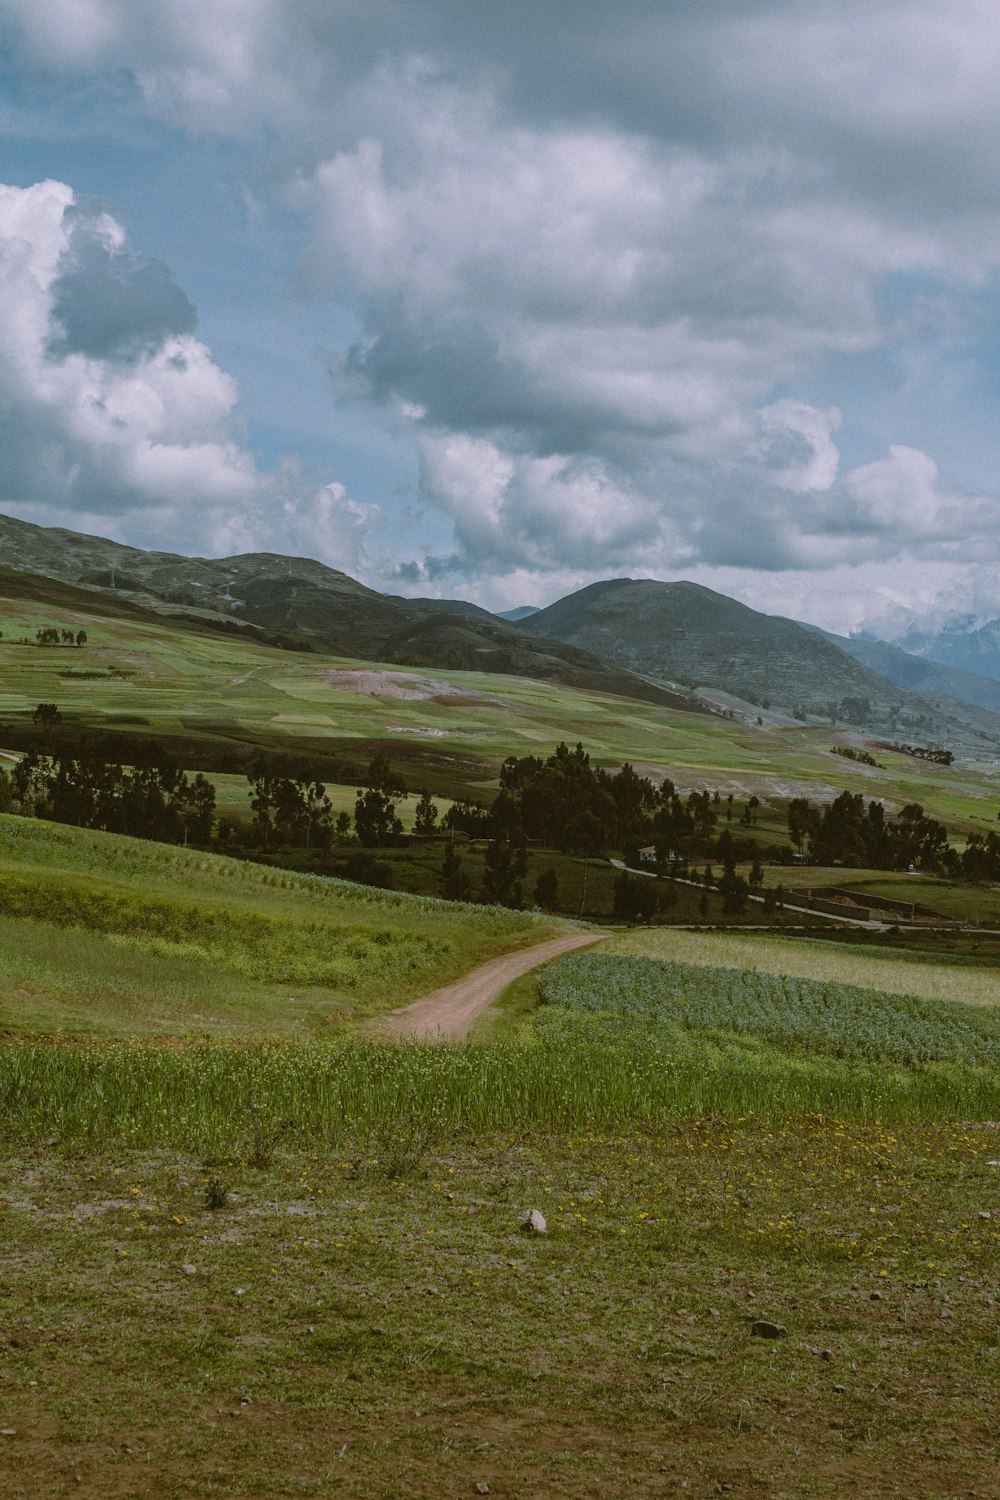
pixel 447 1014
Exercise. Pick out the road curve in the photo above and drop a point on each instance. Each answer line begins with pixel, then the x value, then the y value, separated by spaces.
pixel 447 1014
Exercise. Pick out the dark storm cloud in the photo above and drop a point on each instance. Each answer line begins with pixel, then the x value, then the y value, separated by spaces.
pixel 110 303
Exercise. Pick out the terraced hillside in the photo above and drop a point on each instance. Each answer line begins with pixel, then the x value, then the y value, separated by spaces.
pixel 215 699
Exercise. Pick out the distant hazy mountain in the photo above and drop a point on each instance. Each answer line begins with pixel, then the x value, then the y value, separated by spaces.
pixel 523 612
pixel 683 633
pixel 307 601
pixel 918 673
pixel 964 643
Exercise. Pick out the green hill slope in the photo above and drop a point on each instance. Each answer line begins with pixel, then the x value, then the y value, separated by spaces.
pixel 683 633
pixel 101 935
pixel 309 603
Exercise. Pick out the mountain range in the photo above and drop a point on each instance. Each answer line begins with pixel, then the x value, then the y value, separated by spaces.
pixel 963 642
pixel 669 643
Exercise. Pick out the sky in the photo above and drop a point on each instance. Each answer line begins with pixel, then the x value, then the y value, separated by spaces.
pixel 495 301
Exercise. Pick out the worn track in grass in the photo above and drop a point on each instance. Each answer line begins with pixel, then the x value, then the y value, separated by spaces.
pixel 448 1013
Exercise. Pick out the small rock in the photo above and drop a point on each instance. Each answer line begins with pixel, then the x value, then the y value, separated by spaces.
pixel 839 1389
pixel 8 1432
pixel 189 1270
pixel 481 1487
pixel 985 1214
pixel 311 1328
pixel 241 1291
pixel 874 1296
pixel 993 1163
pixel 713 1312
pixel 762 1329
pixel 534 1222
pixel 826 1354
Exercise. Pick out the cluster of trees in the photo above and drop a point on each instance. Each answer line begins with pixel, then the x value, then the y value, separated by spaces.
pixel 50 635
pixel 295 812
pixel 861 756
pixel 980 859
pixel 145 802
pixel 848 832
pixel 927 752
pixel 564 803
pixel 289 812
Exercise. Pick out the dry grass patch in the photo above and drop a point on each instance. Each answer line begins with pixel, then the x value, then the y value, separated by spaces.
pixel 370 1325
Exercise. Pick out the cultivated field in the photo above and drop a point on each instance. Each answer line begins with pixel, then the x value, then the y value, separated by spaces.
pixel 935 976
pixel 250 1249
pixel 451 729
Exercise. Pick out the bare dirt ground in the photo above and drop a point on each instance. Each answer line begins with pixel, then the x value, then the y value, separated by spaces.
pixel 375 683
pixel 447 1014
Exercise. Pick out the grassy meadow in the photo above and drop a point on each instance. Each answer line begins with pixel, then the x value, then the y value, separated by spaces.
pixel 367 1319
pixel 105 936
pixel 251 1249
pixel 451 729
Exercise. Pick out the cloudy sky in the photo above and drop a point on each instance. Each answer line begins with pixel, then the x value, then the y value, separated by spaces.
pixel 493 301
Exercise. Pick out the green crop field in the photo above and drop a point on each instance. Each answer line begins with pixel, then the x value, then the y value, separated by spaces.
pixel 101 935
pixel 281 1257
pixel 935 976
pixel 800 1015
pixel 451 728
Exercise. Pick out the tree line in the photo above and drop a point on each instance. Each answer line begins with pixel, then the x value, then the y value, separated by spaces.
pixel 561 802
pixel 52 635
pixel 144 802
pixel 849 832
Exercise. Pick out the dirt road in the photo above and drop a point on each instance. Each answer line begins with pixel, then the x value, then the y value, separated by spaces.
pixel 448 1014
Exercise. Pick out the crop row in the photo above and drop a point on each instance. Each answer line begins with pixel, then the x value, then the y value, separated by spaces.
pixel 799 1015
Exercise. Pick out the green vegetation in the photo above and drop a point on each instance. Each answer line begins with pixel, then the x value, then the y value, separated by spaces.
pixel 103 935
pixel 213 701
pixel 368 1321
pixel 860 757
pixel 799 1015
pixel 871 964
pixel 293 1250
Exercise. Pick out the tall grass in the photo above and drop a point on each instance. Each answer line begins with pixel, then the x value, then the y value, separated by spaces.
pixel 251 944
pixel 579 1075
pixel 103 934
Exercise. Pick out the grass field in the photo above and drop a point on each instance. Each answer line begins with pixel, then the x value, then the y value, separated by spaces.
pixel 101 935
pixel 248 1255
pixel 158 679
pixel 950 899
pixel 367 1320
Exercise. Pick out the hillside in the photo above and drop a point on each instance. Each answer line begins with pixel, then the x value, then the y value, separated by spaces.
pixel 920 674
pixel 685 634
pixel 311 604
